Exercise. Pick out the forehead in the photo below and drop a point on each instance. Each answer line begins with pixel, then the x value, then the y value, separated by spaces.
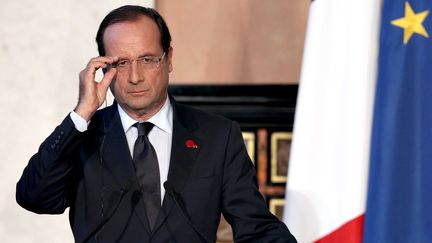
pixel 132 37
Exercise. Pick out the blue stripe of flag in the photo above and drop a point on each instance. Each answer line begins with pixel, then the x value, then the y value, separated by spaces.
pixel 399 205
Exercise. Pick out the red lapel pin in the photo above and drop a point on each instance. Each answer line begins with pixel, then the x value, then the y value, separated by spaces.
pixel 191 144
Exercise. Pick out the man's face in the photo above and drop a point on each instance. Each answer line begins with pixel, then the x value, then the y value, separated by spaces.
pixel 138 91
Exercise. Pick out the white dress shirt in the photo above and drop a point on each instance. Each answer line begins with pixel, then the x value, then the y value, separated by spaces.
pixel 160 136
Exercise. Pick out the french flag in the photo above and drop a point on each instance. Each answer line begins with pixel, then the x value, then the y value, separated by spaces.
pixel 361 161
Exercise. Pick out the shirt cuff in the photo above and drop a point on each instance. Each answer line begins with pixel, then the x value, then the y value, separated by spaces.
pixel 80 123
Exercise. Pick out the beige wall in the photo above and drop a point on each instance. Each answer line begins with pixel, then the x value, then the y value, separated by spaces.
pixel 44 44
pixel 242 41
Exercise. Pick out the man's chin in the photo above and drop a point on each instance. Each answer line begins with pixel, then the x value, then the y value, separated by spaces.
pixel 140 108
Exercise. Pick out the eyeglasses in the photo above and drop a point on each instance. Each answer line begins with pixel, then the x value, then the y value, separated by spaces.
pixel 146 63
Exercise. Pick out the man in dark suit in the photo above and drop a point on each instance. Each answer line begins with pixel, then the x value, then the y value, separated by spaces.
pixel 145 169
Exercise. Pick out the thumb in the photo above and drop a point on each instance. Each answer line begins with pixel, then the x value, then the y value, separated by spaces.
pixel 107 78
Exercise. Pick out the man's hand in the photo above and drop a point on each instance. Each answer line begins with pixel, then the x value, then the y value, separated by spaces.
pixel 91 93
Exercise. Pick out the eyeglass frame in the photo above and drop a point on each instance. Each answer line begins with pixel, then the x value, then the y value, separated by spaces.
pixel 154 60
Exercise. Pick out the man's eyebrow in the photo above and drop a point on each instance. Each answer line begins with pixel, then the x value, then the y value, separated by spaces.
pixel 147 55
pixel 121 58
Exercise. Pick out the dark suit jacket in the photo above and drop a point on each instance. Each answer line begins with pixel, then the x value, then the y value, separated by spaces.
pixel 93 174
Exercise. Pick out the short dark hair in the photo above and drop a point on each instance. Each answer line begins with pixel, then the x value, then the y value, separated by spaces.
pixel 133 13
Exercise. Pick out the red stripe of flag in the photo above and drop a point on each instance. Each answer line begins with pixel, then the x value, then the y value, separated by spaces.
pixel 350 232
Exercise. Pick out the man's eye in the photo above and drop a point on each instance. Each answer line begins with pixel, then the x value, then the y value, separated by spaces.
pixel 146 60
pixel 122 63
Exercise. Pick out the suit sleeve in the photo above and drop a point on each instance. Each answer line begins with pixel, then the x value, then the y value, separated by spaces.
pixel 46 183
pixel 243 205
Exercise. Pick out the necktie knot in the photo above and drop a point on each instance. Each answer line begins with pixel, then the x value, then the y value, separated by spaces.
pixel 143 128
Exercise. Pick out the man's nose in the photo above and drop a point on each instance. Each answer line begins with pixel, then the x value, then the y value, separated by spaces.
pixel 135 73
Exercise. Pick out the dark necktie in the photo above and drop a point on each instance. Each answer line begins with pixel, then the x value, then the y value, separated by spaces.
pixel 147 171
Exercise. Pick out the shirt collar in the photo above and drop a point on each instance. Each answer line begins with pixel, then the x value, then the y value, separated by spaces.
pixel 163 119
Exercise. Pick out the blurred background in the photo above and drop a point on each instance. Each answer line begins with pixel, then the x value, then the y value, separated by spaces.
pixel 45 44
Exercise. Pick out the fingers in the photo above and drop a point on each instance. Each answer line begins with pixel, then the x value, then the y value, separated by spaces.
pixel 96 63
pixel 87 76
pixel 107 78
pixel 92 93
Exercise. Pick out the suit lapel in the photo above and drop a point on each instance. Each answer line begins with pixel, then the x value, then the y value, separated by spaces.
pixel 183 158
pixel 118 162
pixel 115 152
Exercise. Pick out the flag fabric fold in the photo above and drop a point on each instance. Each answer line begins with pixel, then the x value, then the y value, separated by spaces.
pixel 399 206
pixel 328 171
pixel 356 177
